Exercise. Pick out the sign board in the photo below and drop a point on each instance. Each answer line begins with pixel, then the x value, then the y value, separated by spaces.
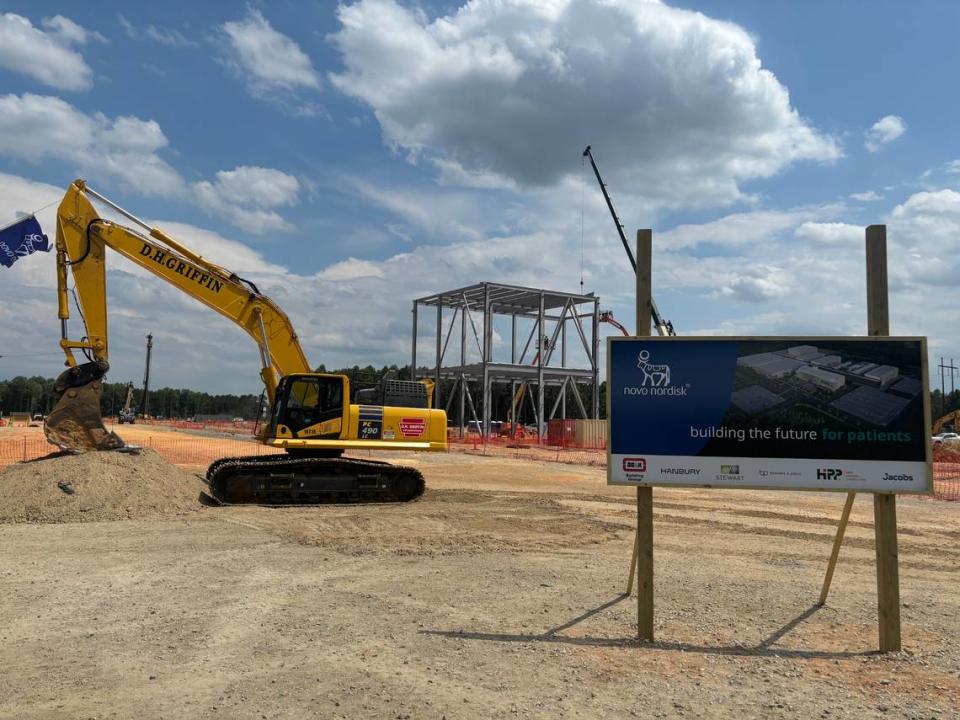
pixel 845 414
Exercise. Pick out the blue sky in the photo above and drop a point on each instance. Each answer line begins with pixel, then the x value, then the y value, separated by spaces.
pixel 355 156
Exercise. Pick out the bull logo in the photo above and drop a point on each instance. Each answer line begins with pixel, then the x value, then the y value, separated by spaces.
pixel 653 375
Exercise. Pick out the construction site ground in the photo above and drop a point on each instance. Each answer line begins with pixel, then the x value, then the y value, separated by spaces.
pixel 498 595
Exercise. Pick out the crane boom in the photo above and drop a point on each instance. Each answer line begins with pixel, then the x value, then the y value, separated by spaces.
pixel 664 327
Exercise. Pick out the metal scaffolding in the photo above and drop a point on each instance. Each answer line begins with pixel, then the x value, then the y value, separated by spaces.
pixel 474 311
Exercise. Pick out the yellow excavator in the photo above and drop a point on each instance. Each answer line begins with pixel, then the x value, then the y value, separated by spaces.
pixel 312 418
pixel 948 423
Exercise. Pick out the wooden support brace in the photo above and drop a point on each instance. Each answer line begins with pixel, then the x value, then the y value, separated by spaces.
pixel 633 562
pixel 837 542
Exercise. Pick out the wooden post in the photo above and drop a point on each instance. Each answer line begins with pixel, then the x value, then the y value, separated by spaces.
pixel 837 542
pixel 633 563
pixel 884 504
pixel 644 541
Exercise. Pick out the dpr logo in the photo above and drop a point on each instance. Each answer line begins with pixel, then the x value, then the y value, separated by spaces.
pixel 635 465
pixel 829 473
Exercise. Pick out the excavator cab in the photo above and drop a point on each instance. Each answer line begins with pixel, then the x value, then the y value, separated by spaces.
pixel 310 406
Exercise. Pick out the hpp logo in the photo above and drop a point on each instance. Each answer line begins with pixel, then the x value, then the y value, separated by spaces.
pixel 653 375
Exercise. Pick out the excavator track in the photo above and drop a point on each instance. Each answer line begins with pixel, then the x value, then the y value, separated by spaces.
pixel 281 480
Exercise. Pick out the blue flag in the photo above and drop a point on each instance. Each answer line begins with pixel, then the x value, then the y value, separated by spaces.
pixel 21 239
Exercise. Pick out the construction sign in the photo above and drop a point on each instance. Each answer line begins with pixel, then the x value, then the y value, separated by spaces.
pixel 846 414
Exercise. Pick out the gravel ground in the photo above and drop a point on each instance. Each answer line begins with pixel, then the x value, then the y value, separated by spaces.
pixel 498 595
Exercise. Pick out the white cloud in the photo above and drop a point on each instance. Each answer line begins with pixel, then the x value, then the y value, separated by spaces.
pixel 883 131
pixel 758 283
pixel 738 229
pixel 171 37
pixel 868 196
pixel 246 196
pixel 68 32
pixel 802 274
pixel 46 56
pixel 122 150
pixel 830 233
pixel 953 167
pixel 682 106
pixel 351 269
pixel 274 67
pixel 125 152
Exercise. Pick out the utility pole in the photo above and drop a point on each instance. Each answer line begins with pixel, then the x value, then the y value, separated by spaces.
pixel 146 378
pixel 943 385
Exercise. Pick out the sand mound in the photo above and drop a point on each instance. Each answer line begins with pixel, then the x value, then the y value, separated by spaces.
pixel 104 485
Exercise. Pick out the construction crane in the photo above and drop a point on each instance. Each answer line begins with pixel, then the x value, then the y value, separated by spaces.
pixel 312 418
pixel 664 327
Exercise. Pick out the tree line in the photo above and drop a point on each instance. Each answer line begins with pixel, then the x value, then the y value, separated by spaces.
pixel 35 395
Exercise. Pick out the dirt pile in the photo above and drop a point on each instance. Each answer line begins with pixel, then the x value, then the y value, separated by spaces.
pixel 96 486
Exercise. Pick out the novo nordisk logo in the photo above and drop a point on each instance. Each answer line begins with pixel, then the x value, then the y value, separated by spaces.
pixel 31 243
pixel 653 375
pixel 656 379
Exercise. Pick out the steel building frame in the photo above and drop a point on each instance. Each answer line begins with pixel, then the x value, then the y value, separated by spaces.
pixel 476 307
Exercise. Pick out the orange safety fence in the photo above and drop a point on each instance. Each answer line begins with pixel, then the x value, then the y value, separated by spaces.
pixel 198 452
pixel 237 427
pixel 194 453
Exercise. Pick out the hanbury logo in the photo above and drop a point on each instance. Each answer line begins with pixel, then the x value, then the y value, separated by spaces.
pixel 653 375
pixel 635 465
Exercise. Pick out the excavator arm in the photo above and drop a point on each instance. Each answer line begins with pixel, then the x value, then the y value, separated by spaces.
pixel 82 240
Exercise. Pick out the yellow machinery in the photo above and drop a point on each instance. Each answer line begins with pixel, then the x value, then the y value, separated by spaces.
pixel 312 418
pixel 127 414
pixel 949 422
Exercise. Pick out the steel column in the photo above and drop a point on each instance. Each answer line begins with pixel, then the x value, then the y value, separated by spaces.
pixel 413 351
pixel 436 389
pixel 486 356
pixel 595 360
pixel 541 358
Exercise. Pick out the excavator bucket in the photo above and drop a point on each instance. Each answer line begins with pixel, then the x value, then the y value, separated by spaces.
pixel 75 423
